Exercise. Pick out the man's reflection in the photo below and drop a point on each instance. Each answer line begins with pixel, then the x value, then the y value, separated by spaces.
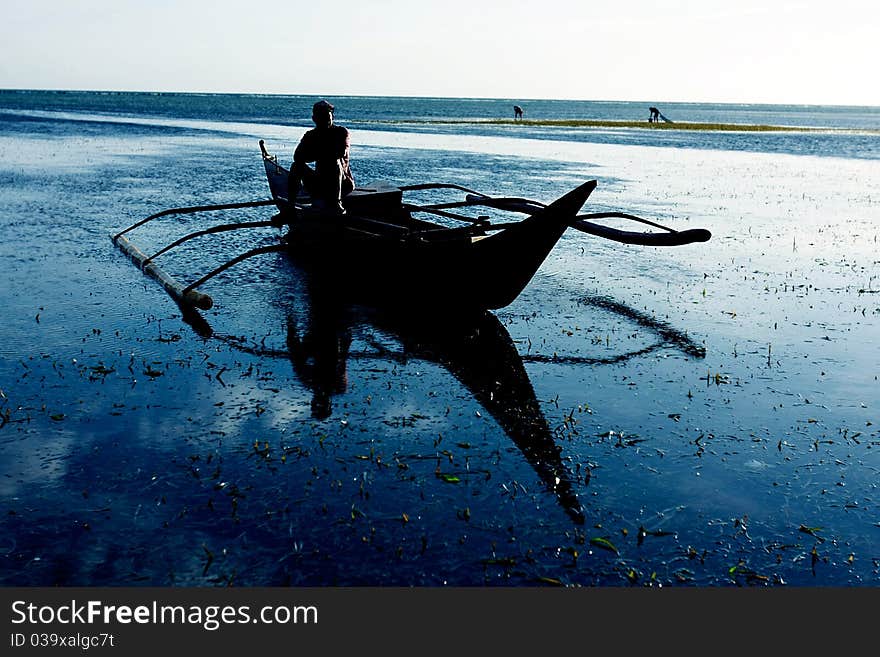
pixel 319 355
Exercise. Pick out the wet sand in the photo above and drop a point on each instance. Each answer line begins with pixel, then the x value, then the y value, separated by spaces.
pixel 710 411
pixel 600 123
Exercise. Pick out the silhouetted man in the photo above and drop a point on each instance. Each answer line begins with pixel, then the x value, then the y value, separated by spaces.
pixel 517 112
pixel 328 146
pixel 655 115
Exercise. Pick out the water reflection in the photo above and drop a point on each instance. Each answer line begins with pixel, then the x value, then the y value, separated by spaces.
pixel 475 348
pixel 479 352
pixel 319 351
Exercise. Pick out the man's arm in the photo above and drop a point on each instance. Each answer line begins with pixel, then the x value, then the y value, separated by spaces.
pixel 343 145
pixel 304 151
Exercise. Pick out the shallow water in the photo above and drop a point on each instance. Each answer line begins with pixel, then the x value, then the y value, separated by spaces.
pixel 710 411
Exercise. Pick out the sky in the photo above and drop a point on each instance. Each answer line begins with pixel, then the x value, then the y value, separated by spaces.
pixel 742 51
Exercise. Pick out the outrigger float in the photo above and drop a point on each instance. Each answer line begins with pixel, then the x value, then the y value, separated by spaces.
pixel 383 249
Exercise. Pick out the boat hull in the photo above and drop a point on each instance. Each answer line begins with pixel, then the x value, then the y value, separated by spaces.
pixel 398 260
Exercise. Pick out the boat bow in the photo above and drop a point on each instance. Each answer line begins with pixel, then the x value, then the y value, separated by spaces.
pixel 515 254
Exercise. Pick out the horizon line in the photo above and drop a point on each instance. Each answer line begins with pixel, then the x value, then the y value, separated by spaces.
pixel 426 97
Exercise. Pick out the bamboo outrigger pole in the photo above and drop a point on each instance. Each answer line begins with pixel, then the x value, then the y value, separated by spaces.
pixel 175 289
pixel 185 295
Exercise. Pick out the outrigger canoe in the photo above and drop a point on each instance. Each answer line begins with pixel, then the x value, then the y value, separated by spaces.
pixel 384 247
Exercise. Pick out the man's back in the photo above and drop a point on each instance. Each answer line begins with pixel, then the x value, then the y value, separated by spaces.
pixel 325 144
pixel 330 143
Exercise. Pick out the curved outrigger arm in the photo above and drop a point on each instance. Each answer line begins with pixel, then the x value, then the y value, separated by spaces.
pixel 222 228
pixel 270 248
pixel 421 186
pixel 667 236
pixel 670 237
pixel 192 210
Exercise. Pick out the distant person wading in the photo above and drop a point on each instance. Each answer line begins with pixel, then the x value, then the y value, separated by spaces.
pixel 328 146
pixel 656 116
pixel 517 113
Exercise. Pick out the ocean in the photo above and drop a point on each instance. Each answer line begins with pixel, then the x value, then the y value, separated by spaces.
pixel 845 134
pixel 705 415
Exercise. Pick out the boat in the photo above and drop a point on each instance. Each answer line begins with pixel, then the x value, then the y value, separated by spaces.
pixel 384 248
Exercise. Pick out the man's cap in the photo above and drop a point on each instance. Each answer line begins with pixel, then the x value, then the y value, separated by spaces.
pixel 322 107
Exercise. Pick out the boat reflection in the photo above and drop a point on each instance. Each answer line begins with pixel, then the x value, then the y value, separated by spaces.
pixel 475 348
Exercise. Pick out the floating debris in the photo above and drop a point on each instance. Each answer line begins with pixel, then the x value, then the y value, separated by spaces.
pixel 812 532
pixel 604 543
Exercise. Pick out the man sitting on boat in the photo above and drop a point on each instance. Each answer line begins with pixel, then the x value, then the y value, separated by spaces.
pixel 328 146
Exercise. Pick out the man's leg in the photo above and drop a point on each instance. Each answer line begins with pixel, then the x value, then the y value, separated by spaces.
pixel 302 175
pixel 329 174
